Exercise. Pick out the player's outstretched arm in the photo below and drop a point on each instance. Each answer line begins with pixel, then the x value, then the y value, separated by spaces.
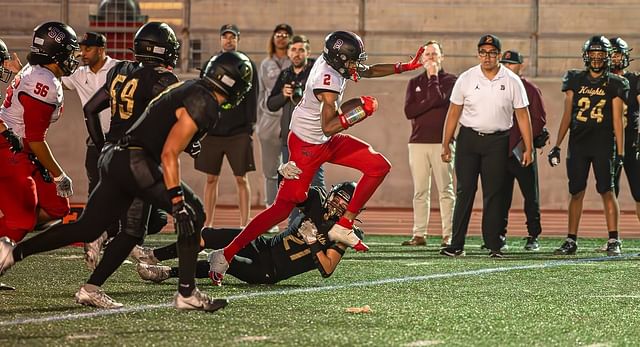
pixel 381 70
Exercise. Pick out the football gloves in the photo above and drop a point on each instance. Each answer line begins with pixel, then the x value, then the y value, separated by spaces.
pixel 64 187
pixel 183 217
pixel 554 156
pixel 308 232
pixel 618 162
pixel 412 65
pixel 193 149
pixel 289 170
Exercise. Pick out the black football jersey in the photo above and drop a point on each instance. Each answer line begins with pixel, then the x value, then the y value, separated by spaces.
pixel 152 128
pixel 291 255
pixel 632 110
pixel 591 116
pixel 132 86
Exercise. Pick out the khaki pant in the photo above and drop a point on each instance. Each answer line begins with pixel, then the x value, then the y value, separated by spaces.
pixel 424 161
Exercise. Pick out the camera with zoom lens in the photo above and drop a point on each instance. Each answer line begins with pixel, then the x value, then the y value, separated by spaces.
pixel 298 90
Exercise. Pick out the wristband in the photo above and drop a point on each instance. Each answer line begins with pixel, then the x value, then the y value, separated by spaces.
pixel 315 247
pixel 59 178
pixel 352 117
pixel 175 192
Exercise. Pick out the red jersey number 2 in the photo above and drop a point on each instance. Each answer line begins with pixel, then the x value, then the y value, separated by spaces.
pixel 326 80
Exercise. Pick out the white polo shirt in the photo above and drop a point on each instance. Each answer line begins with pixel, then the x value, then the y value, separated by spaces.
pixel 86 83
pixel 488 105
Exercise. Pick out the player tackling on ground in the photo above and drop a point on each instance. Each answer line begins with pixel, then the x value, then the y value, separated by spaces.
pixel 316 138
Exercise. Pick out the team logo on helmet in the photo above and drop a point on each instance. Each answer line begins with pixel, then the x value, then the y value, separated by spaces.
pixel 338 44
pixel 56 34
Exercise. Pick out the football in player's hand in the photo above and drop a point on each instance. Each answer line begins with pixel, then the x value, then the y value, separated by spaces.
pixel 351 104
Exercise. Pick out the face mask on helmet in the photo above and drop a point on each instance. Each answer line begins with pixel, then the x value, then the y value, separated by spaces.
pixel 5 74
pixel 344 51
pixel 230 74
pixel 55 42
pixel 596 54
pixel 620 53
pixel 338 199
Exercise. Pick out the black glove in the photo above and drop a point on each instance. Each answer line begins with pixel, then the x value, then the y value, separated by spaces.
pixel 541 139
pixel 193 149
pixel 554 156
pixel 618 162
pixel 183 218
pixel 15 145
pixel 46 176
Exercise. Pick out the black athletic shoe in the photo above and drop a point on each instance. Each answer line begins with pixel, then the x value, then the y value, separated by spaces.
pixel 569 247
pixel 496 254
pixel 614 248
pixel 532 244
pixel 450 252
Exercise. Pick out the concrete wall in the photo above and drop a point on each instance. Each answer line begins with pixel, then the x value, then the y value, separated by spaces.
pixel 387 131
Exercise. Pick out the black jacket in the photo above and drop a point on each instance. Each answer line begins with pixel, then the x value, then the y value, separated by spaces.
pixel 276 100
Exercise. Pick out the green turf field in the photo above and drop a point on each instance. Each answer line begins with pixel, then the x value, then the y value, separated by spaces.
pixel 417 298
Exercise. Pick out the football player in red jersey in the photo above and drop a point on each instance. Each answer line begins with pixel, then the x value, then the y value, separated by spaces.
pixel 35 187
pixel 315 138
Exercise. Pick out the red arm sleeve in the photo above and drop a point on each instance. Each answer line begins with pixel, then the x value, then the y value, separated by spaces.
pixel 37 117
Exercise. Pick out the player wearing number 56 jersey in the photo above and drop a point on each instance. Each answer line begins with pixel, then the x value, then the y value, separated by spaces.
pixel 594 101
pixel 34 186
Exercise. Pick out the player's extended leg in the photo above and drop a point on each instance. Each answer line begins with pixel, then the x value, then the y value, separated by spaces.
pixel 308 158
pixel 350 151
pixel 103 207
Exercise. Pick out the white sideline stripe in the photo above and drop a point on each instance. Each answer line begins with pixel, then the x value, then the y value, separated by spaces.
pixel 100 313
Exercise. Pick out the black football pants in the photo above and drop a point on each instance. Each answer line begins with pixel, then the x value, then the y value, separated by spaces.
pixel 125 174
pixel 527 178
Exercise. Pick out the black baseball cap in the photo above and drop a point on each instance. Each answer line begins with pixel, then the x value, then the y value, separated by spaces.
pixel 230 28
pixel 284 26
pixel 93 39
pixel 492 40
pixel 511 57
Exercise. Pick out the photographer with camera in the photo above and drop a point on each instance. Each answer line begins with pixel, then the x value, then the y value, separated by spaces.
pixel 287 93
pixel 527 176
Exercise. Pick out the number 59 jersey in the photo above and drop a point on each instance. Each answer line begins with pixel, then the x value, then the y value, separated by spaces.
pixel 591 110
pixel 34 100
pixel 132 86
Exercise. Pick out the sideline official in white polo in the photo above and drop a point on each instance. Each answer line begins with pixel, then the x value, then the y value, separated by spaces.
pixel 483 101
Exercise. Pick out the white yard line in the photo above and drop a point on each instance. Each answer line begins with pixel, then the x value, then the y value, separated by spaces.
pixel 479 272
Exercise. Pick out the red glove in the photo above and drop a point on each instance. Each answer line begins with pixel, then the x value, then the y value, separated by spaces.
pixel 412 65
pixel 368 105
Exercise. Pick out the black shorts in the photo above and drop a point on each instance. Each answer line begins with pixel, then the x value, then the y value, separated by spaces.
pixel 578 164
pixel 237 148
